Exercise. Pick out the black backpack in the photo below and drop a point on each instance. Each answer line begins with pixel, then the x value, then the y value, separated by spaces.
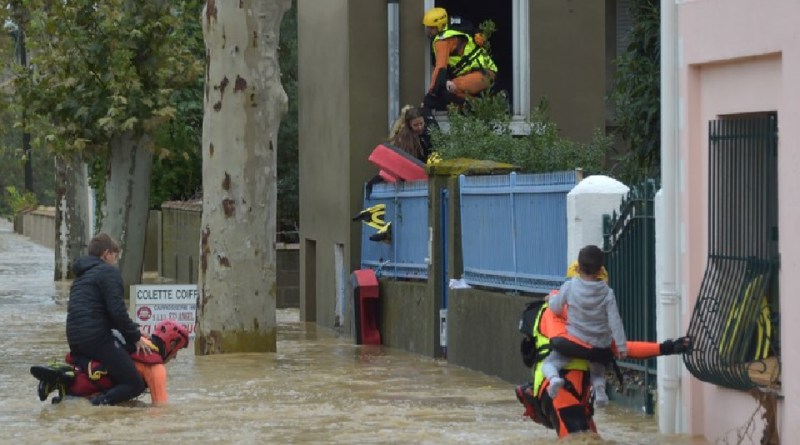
pixel 530 351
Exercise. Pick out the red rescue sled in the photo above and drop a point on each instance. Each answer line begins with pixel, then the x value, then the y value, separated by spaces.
pixel 395 164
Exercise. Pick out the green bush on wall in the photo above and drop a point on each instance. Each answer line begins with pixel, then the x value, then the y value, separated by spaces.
pixel 19 202
pixel 482 130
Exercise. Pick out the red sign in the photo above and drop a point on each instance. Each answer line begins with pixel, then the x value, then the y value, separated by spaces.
pixel 144 313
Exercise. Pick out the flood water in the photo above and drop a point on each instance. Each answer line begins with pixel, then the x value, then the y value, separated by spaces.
pixel 318 388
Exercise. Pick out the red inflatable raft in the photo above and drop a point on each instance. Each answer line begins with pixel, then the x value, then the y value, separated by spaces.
pixel 397 165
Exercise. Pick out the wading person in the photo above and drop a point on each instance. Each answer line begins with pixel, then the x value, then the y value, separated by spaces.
pixel 96 306
pixel 571 409
pixel 83 377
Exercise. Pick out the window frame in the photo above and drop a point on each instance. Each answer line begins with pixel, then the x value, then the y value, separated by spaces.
pixel 521 75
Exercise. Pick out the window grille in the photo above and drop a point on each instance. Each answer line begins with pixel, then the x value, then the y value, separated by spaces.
pixel 734 323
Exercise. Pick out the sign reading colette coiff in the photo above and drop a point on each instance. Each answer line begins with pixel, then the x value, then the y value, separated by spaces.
pixel 156 302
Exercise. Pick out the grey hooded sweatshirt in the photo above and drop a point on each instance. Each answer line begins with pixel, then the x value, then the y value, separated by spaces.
pixel 593 316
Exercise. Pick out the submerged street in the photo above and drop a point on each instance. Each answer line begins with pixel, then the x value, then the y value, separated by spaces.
pixel 318 388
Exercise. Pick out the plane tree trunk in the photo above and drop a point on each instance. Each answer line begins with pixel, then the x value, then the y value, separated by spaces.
pixel 127 201
pixel 244 102
pixel 72 213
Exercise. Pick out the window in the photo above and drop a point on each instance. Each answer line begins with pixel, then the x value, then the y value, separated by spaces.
pixel 735 319
pixel 510 49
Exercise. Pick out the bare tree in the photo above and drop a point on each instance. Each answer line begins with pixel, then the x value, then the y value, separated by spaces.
pixel 244 104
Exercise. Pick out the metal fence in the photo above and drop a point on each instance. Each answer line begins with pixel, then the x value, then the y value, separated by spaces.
pixel 514 229
pixel 629 243
pixel 407 211
pixel 735 319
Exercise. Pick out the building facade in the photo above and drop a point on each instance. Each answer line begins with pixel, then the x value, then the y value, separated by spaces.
pixel 361 60
pixel 738 62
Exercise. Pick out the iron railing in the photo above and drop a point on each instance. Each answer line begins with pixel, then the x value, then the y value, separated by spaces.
pixel 629 243
pixel 734 323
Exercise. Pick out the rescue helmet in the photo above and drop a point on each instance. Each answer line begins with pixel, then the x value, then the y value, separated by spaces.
pixel 435 18
pixel 573 270
pixel 173 335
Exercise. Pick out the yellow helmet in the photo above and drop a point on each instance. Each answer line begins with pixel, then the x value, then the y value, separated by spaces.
pixel 435 18
pixel 572 271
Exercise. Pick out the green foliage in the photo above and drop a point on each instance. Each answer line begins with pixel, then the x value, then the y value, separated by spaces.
pixel 12 157
pixel 13 160
pixel 288 173
pixel 484 132
pixel 487 28
pixel 101 69
pixel 178 165
pixel 19 202
pixel 637 94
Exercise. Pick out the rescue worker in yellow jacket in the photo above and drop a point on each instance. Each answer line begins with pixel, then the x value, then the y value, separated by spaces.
pixel 462 67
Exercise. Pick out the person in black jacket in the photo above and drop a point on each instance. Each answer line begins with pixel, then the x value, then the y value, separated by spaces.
pixel 96 306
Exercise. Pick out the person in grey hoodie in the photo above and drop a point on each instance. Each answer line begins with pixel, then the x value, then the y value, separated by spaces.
pixel 96 306
pixel 593 319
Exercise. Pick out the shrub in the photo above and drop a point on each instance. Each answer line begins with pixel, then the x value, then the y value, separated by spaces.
pixel 20 202
pixel 482 130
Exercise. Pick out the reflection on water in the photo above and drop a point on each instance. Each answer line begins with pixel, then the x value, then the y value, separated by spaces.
pixel 318 387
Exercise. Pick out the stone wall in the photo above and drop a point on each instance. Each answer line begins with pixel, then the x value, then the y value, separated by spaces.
pixel 172 245
pixel 483 332
pixel 180 240
pixel 408 318
pixel 40 226
pixel 180 249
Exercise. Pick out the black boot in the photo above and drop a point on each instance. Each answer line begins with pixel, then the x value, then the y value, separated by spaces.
pixel 54 377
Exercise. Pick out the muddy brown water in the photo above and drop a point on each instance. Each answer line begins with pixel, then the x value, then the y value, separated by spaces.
pixel 318 388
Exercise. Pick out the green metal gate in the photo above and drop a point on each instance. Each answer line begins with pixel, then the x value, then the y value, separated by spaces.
pixel 629 244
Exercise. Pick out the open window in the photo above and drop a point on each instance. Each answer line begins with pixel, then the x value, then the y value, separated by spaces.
pixel 509 45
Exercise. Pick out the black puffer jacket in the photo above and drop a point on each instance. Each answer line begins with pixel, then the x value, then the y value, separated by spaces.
pixel 96 304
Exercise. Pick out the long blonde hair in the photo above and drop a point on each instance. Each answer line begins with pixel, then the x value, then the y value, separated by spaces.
pixel 399 122
pixel 403 136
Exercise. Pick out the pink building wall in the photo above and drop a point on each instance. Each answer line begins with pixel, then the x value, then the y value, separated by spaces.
pixel 739 56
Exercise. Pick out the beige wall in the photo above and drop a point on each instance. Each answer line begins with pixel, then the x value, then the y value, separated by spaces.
pixel 483 332
pixel 568 63
pixel 414 49
pixel 739 56
pixel 180 240
pixel 324 138
pixel 178 245
pixel 406 317
pixel 342 107
pixel 40 226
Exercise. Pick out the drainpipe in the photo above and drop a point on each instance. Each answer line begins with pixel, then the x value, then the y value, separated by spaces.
pixel 669 368
pixel 393 27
